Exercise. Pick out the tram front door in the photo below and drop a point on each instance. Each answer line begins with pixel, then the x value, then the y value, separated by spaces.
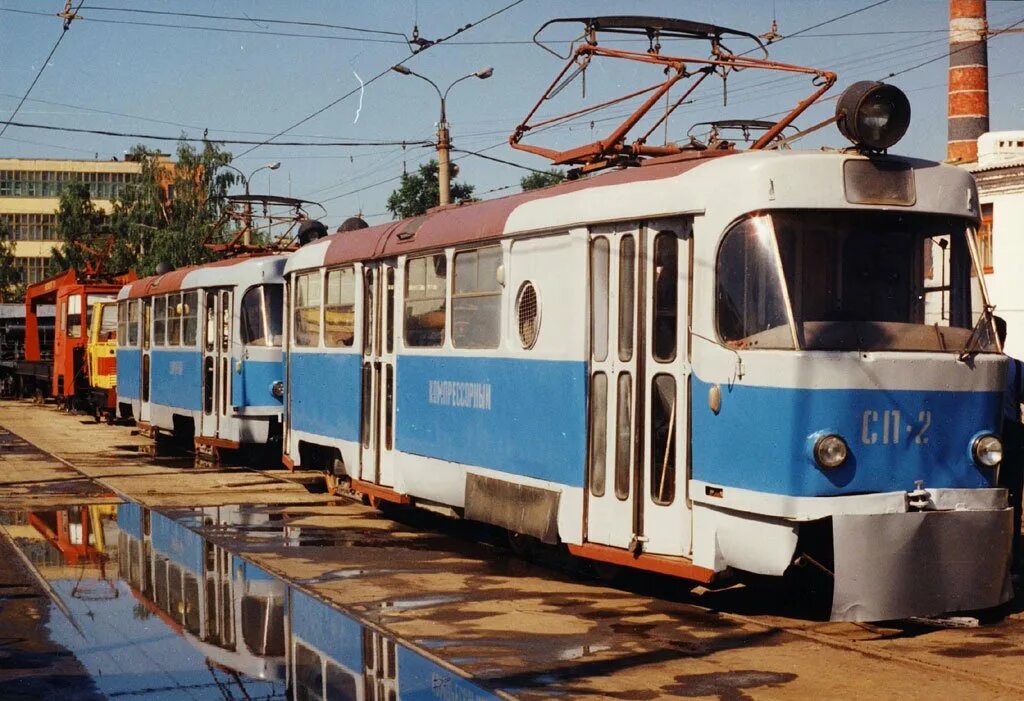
pixel 145 337
pixel 637 424
pixel 377 405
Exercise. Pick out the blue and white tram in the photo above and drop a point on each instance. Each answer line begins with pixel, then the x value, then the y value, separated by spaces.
pixel 200 352
pixel 729 361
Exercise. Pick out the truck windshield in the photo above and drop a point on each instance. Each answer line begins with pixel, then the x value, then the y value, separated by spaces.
pixel 851 280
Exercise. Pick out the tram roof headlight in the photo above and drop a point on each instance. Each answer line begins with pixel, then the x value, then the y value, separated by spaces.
pixel 873 115
pixel 987 450
pixel 830 451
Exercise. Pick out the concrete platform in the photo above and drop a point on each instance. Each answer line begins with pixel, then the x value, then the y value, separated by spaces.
pixel 525 630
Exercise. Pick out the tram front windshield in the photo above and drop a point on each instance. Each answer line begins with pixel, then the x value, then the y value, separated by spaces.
pixel 849 280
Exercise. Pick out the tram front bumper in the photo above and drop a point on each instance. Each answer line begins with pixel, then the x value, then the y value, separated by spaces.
pixel 920 563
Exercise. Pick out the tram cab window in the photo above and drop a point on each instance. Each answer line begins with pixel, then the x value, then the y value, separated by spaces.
pixel 73 316
pixel 476 299
pixel 90 300
pixel 853 279
pixel 426 281
pixel 340 308
pixel 748 295
pixel 263 625
pixel 109 322
pixel 261 316
pixel 306 317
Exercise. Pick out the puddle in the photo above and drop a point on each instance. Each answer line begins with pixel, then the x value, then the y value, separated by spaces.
pixel 152 609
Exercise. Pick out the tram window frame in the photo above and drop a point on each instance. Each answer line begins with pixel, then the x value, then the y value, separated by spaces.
pixel 597 441
pixel 477 296
pixel 189 318
pixel 133 322
pixel 73 308
pixel 108 325
pixel 256 316
pixel 600 294
pixel 623 434
pixel 665 318
pixel 308 295
pixel 122 324
pixel 174 319
pixel 430 335
pixel 160 321
pixel 342 302
pixel 627 297
pixel 663 463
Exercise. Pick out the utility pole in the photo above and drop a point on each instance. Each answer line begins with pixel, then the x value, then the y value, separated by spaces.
pixel 444 137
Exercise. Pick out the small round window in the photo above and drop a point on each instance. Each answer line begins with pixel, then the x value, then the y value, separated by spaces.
pixel 528 314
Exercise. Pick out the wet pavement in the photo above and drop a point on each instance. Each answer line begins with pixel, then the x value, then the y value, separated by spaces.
pixel 225 569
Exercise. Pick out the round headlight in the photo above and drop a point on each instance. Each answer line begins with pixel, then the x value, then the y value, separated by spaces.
pixel 277 389
pixel 830 451
pixel 988 450
pixel 873 115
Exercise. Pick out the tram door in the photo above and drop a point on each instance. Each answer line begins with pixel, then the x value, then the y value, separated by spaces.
pixel 377 405
pixel 145 319
pixel 638 388
pixel 217 368
pixel 614 278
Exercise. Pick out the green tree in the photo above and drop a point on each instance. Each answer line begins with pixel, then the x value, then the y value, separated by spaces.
pixel 173 211
pixel 81 230
pixel 419 192
pixel 538 179
pixel 12 287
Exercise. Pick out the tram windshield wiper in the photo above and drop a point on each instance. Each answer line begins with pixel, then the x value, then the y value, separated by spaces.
pixel 982 335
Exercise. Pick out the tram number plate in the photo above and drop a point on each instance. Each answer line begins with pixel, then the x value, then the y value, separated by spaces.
pixel 889 427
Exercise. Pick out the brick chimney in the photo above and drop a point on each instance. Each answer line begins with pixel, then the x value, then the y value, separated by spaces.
pixel 968 79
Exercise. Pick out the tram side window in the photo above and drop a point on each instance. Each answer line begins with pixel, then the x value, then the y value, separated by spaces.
pixel 307 309
pixel 664 415
pixel 666 296
pixel 160 321
pixel 476 299
pixel 73 316
pixel 174 320
pixel 133 322
pixel 426 280
pixel 309 674
pixel 122 323
pixel 189 317
pixel 340 308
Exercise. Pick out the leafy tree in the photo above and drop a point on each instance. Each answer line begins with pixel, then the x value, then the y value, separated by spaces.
pixel 419 192
pixel 173 210
pixel 12 288
pixel 80 228
pixel 167 215
pixel 537 179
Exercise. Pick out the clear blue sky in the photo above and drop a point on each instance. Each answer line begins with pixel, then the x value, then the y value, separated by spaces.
pixel 244 84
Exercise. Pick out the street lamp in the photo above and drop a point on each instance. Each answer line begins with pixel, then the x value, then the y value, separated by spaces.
pixel 444 143
pixel 247 234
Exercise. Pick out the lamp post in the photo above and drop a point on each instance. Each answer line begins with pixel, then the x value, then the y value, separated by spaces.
pixel 247 234
pixel 444 142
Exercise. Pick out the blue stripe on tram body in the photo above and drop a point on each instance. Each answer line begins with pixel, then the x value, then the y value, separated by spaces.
pixel 176 379
pixel 761 438
pixel 176 542
pixel 129 372
pixel 526 417
pixel 253 386
pixel 129 519
pixel 326 629
pixel 325 395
